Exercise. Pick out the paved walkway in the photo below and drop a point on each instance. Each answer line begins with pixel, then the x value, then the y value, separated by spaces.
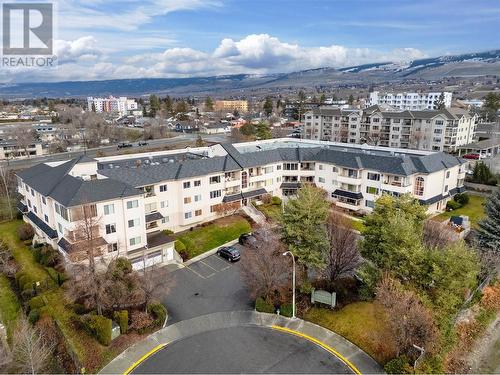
pixel 344 349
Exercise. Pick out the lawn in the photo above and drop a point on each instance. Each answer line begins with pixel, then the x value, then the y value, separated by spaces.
pixel 362 323
pixel 271 211
pixel 474 209
pixel 358 225
pixel 9 304
pixel 4 208
pixel 215 234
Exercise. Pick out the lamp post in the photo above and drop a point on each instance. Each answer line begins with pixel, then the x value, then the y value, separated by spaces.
pixel 293 282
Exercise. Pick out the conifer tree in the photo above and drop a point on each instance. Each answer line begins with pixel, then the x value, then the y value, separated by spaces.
pixel 489 227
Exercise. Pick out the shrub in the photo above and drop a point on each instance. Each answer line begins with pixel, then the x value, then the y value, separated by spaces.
pixel 276 201
pixel 286 310
pixel 47 256
pixel 121 318
pixel 33 316
pixel 266 198
pixel 179 246
pixel 25 232
pixel 58 277
pixel 396 365
pixel 462 198
pixel 453 205
pixel 263 306
pixel 36 303
pixel 168 232
pixel 99 327
pixel 140 321
pixel 123 264
pixel 159 313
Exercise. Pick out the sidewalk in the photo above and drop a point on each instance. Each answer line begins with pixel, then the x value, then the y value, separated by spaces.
pixel 345 350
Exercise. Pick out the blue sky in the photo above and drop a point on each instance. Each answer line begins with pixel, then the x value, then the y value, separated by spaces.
pixel 98 39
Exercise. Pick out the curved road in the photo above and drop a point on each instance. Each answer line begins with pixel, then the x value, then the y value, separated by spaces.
pixel 242 350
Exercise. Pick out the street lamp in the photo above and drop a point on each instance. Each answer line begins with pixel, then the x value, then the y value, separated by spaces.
pixel 293 282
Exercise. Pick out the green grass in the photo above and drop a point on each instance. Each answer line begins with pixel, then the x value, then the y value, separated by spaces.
pixel 4 208
pixel 362 323
pixel 358 225
pixel 271 211
pixel 215 234
pixel 9 304
pixel 474 210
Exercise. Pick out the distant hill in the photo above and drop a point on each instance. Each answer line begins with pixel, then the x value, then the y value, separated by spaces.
pixel 465 65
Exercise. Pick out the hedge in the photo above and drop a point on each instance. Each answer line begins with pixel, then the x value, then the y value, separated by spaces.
pixel 159 313
pixel 286 310
pixel 276 201
pixel 462 198
pixel 453 205
pixel 263 306
pixel 121 318
pixel 179 246
pixel 99 327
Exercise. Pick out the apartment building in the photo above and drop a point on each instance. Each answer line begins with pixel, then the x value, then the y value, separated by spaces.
pixel 131 199
pixel 411 100
pixel 121 105
pixel 433 130
pixel 231 105
pixel 11 148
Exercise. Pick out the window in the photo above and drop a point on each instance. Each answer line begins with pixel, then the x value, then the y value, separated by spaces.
pixel 373 176
pixel 163 188
pixel 188 215
pixel 197 198
pixel 163 204
pixel 321 179
pixel 215 194
pixel 197 182
pixel 186 184
pixel 133 223
pixel 187 200
pixel 278 167
pixel 419 186
pixel 370 204
pixel 244 180
pixel 112 247
pixel 109 209
pixel 290 166
pixel 60 228
pixel 150 207
pixel 446 188
pixel 32 192
pixel 132 204
pixel 214 179
pixel 110 228
pixel 165 220
pixel 44 201
pixel 334 169
pixel 197 213
pixel 447 174
pixel 371 190
pixel 46 218
pixel 35 209
pixel 268 169
pixel 135 241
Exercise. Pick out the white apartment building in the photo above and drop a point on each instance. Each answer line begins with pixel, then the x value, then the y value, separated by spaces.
pixel 433 130
pixel 11 149
pixel 121 105
pixel 133 198
pixel 410 100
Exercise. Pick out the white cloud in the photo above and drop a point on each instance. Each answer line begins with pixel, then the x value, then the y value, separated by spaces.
pixel 83 59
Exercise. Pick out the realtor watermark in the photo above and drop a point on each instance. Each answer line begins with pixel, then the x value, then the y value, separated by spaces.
pixel 28 35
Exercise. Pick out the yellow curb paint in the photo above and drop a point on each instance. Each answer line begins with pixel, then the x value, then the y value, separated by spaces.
pixel 143 358
pixel 319 343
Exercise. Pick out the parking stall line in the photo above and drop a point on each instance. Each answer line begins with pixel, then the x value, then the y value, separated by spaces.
pixel 196 273
pixel 208 265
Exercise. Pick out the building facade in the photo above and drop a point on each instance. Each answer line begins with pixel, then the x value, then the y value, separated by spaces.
pixel 131 199
pixel 121 105
pixel 231 105
pixel 411 100
pixel 433 130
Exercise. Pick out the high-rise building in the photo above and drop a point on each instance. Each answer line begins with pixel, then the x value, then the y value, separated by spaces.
pixel 411 100
pixel 231 105
pixel 121 105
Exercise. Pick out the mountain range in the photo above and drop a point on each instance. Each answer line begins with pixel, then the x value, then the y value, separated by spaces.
pixel 464 65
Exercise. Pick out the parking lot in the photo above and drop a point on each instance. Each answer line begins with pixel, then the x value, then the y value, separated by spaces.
pixel 210 285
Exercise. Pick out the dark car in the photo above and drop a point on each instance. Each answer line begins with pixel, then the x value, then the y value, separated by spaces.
pixel 248 239
pixel 142 143
pixel 124 145
pixel 230 253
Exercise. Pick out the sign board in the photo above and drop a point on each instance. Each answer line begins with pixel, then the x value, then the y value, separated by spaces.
pixel 322 296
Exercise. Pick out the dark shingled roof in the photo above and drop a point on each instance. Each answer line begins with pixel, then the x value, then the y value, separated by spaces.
pixel 153 217
pixel 347 194
pixel 42 225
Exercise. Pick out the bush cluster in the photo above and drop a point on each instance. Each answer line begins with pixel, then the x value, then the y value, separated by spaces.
pixel 453 205
pixel 398 365
pixel 121 317
pixel 262 306
pixel 99 327
pixel 462 198
pixel 181 250
pixel 159 313
pixel 286 310
pixel 46 256
pixel 25 232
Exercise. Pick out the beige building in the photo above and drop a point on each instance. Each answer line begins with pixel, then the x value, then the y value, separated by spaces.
pixel 231 105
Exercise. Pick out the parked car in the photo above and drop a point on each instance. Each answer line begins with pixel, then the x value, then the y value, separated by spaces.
pixel 142 143
pixel 472 156
pixel 124 145
pixel 248 239
pixel 230 253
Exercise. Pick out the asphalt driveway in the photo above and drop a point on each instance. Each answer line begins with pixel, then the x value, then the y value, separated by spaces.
pixel 207 286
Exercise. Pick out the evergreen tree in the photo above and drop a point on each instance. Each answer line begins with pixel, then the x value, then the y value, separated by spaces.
pixel 168 105
pixel 154 105
pixel 350 101
pixel 209 104
pixel 489 227
pixel 304 226
pixel 482 174
pixel 268 106
pixel 200 142
pixel 322 98
pixel 262 131
pixel 440 102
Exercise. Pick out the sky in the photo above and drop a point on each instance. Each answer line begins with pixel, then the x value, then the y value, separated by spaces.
pixel 102 39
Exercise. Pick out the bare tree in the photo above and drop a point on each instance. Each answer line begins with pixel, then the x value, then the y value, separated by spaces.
pixel 343 256
pixel 5 356
pixel 30 351
pixel 4 176
pixel 153 284
pixel 411 323
pixel 438 235
pixel 373 137
pixel 86 232
pixel 265 271
pixel 227 208
pixel 24 139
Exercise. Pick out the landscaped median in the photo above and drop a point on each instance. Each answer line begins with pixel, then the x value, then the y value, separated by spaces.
pixel 211 235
